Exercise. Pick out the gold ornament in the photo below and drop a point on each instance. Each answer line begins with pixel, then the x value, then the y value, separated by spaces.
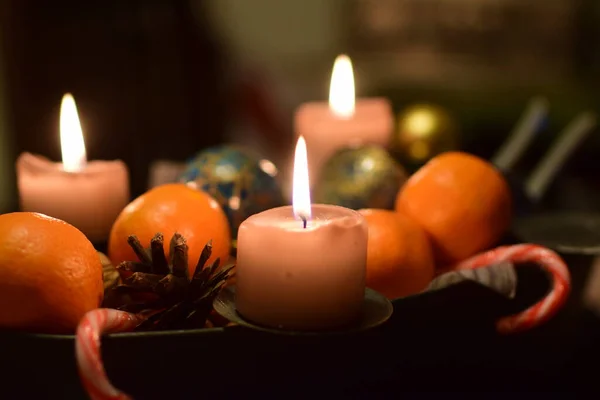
pixel 422 132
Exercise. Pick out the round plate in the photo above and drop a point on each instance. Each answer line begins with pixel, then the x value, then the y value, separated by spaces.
pixel 377 310
pixel 568 233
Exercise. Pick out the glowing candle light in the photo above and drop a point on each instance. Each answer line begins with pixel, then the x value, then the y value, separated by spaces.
pixel 72 145
pixel 342 102
pixel 301 193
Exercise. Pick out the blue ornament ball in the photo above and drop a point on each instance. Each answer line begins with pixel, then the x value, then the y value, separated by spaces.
pixel 241 181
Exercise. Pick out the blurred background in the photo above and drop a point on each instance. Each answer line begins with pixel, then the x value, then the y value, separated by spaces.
pixel 161 79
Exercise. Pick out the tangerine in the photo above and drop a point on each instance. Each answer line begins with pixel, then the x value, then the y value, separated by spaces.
pixel 399 256
pixel 168 209
pixel 462 202
pixel 50 274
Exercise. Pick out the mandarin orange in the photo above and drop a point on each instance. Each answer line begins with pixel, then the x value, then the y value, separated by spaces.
pixel 399 256
pixel 50 274
pixel 462 202
pixel 168 209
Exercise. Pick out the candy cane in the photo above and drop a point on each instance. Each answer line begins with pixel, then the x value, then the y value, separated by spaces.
pixel 87 350
pixel 520 254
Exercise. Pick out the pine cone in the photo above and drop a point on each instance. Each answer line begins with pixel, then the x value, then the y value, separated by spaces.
pixel 165 289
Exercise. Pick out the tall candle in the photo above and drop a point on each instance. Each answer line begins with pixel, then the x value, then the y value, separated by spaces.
pixel 343 121
pixel 88 195
pixel 302 267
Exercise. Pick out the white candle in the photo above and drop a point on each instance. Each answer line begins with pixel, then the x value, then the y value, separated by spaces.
pixel 88 195
pixel 302 267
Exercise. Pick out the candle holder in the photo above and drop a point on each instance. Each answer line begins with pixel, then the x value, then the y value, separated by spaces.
pixel 377 309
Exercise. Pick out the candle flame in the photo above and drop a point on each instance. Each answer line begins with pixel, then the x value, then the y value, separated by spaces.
pixel 301 186
pixel 71 136
pixel 341 88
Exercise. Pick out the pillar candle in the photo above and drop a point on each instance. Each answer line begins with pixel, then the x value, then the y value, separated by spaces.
pixel 343 121
pixel 302 267
pixel 88 195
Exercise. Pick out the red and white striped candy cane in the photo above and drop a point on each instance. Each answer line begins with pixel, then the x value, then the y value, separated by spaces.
pixel 87 350
pixel 546 259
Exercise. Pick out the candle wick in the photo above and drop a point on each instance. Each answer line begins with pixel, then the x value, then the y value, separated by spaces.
pixel 303 221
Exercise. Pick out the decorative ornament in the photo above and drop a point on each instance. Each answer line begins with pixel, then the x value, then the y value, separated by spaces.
pixel 362 177
pixel 422 132
pixel 243 183
pixel 163 288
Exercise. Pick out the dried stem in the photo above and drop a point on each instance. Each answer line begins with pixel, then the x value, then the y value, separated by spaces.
pixel 172 288
pixel 160 264
pixel 220 276
pixel 204 256
pixel 132 266
pixel 179 256
pixel 215 266
pixel 139 250
pixel 143 280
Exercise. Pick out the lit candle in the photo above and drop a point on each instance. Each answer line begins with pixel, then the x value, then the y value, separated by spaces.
pixel 343 121
pixel 88 195
pixel 302 267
